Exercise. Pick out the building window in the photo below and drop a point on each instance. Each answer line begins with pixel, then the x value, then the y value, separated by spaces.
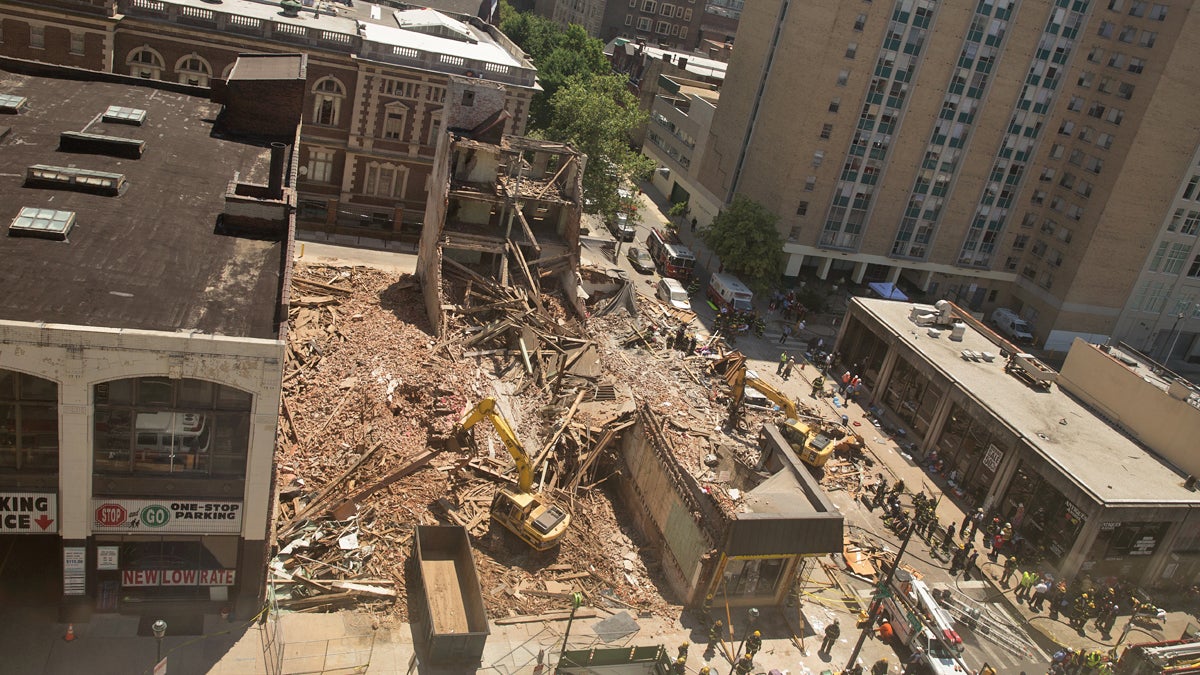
pixel 1190 190
pixel 679 12
pixel 77 42
pixel 1075 104
pixel 320 166
pixel 662 28
pixel 1093 164
pixel 674 29
pixel 435 127
pixel 1136 65
pixel 1066 128
pixel 1020 241
pixel 1127 34
pixel 1194 270
pixel 393 123
pixel 818 157
pixel 810 183
pixel 328 95
pixel 1117 60
pixel 644 24
pixel 1176 258
pixel 37 37
pixel 826 131
pixel 649 6
pixel 1085 79
pixel 628 19
pixel 146 63
pixel 859 22
pixel 1147 39
pixel 802 209
pixel 1106 29
pixel 193 70
pixel 843 77
pixel 1137 9
pixel 1158 12
pixel 157 425
pixel 835 104
pixel 384 180
pixel 1104 141
pixel 28 423
pixel 1116 5
pixel 851 50
pixel 1190 224
pixel 1096 55
pixel 683 32
pixel 1115 115
pixel 687 14
pixel 666 9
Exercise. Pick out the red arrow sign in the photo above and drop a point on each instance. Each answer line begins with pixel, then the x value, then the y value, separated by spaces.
pixel 43 521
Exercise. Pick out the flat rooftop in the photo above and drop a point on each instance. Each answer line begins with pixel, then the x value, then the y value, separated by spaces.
pixel 338 25
pixel 148 258
pixel 1099 459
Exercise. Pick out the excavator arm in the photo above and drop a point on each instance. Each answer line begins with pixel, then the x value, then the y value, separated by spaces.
pixel 787 405
pixel 487 409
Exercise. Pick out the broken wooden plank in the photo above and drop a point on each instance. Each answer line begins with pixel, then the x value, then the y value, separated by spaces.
pixel 328 489
pixel 364 588
pixel 585 613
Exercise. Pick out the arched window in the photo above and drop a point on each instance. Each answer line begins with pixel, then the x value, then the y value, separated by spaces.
pixel 28 423
pixel 145 62
pixel 157 425
pixel 227 70
pixel 328 95
pixel 193 69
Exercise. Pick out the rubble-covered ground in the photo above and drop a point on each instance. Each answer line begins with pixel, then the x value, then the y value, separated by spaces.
pixel 369 397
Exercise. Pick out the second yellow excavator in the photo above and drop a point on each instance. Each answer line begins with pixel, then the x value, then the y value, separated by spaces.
pixel 525 513
pixel 814 442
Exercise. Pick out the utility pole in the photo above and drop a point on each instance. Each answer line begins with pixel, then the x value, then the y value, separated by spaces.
pixel 878 599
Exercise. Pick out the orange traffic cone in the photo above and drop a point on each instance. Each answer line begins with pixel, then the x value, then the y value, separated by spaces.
pixel 70 636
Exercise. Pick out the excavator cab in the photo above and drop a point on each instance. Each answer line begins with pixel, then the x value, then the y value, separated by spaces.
pixel 528 515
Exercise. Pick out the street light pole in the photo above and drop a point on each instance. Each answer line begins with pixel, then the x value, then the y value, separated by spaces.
pixel 576 603
pixel 159 628
pixel 878 599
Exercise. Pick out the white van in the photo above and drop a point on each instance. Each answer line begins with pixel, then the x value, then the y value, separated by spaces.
pixel 165 434
pixel 1012 325
pixel 673 293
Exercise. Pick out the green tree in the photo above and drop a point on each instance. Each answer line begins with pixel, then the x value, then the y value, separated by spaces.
pixel 745 238
pixel 595 114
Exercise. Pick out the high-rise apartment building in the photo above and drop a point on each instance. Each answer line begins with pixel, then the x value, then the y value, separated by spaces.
pixel 1037 154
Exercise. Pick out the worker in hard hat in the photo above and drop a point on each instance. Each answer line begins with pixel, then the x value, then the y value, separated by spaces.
pixel 744 665
pixel 714 636
pixel 680 666
pixel 880 667
pixel 754 643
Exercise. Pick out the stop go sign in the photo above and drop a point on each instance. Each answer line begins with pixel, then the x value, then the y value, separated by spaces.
pixel 111 515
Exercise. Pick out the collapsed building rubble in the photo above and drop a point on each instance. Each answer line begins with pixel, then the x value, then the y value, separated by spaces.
pixel 371 396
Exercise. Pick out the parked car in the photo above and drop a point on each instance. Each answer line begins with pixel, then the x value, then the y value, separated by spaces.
pixel 621 228
pixel 673 293
pixel 640 260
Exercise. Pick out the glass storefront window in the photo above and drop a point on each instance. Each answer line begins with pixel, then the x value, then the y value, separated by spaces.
pixel 859 345
pixel 971 449
pixel 28 423
pixel 757 577
pixel 176 426
pixel 911 396
pixel 1041 514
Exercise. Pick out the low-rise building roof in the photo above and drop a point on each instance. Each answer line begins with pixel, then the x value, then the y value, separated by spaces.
pixel 150 256
pixel 1101 460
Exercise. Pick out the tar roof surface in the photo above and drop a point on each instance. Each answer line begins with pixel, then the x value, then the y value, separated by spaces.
pixel 1097 457
pixel 149 258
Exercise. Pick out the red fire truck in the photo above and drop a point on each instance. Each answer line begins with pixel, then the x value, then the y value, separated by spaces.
pixel 670 257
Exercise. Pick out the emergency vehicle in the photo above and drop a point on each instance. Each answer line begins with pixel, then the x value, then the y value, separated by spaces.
pixel 920 623
pixel 671 258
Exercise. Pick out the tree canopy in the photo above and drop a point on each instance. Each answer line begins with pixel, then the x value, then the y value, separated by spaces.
pixel 595 115
pixel 744 236
pixel 559 55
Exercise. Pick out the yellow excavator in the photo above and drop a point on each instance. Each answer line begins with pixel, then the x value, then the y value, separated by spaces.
pixel 526 514
pixel 814 443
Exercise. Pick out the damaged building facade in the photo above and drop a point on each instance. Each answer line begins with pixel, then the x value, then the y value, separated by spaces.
pixel 500 206
pixel 1013 436
pixel 147 255
pixel 735 534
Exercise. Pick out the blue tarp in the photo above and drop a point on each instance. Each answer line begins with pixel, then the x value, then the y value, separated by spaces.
pixel 888 291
